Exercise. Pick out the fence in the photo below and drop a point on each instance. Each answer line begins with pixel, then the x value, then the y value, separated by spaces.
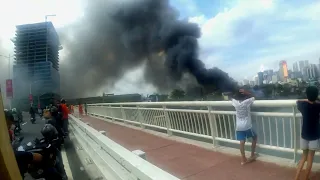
pixel 277 130
pixel 113 160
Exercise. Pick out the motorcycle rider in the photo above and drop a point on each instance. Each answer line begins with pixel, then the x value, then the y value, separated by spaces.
pixel 50 133
pixel 32 113
pixel 19 112
pixel 16 120
pixel 51 118
pixel 10 121
pixel 24 159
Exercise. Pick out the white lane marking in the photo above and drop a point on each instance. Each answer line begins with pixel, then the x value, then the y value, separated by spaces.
pixel 24 123
pixel 66 164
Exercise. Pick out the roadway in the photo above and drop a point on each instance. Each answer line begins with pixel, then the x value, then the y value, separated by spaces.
pixel 71 161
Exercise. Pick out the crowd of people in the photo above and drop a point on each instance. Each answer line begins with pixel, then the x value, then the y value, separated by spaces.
pixel 56 116
pixel 310 130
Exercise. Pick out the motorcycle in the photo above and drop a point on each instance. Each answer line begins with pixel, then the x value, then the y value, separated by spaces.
pixel 33 119
pixel 17 143
pixel 47 169
pixel 17 125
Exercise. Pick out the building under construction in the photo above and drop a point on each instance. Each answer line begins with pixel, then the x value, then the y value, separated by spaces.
pixel 36 65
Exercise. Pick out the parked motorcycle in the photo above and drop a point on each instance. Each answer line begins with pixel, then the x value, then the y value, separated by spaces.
pixel 17 143
pixel 49 149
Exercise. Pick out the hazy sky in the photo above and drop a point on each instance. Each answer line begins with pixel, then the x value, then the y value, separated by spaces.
pixel 238 36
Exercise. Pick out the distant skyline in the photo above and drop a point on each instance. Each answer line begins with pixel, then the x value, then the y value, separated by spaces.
pixel 250 34
pixel 238 36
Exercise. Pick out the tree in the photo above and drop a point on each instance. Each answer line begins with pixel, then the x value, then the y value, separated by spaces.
pixel 177 94
pixel 268 90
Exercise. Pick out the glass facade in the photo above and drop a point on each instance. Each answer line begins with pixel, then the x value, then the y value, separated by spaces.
pixel 36 65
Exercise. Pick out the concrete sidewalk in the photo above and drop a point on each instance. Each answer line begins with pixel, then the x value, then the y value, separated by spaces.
pixel 190 162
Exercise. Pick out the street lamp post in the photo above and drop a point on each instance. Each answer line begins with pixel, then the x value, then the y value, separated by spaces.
pixel 46 20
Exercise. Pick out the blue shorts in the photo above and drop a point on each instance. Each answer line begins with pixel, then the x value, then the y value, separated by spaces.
pixel 243 135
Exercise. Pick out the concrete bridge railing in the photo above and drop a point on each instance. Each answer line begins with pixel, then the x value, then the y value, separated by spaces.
pixel 114 161
pixel 276 122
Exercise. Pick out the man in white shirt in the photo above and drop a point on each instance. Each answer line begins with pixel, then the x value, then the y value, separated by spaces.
pixel 242 103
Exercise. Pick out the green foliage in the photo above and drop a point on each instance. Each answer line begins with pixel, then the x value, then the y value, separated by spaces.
pixel 177 94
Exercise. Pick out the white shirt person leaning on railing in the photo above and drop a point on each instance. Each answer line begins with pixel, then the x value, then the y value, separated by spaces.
pixel 242 102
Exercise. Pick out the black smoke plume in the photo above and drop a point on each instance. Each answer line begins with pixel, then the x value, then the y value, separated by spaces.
pixel 116 36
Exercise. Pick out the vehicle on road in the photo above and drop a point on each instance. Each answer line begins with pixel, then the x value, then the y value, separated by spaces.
pixel 48 147
pixel 17 122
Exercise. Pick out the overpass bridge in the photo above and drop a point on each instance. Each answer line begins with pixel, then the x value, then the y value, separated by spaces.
pixel 188 140
pixel 181 140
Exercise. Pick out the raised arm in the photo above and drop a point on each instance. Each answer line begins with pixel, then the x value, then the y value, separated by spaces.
pixel 246 92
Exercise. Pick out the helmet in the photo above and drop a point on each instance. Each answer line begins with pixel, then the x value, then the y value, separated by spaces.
pixel 49 132
pixel 14 110
pixel 9 116
pixel 53 109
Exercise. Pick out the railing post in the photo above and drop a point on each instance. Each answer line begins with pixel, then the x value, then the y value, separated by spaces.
pixel 294 134
pixel 140 117
pixel 124 117
pixel 111 113
pixel 168 124
pixel 213 124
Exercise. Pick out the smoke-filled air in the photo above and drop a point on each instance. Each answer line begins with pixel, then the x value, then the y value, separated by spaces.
pixel 116 36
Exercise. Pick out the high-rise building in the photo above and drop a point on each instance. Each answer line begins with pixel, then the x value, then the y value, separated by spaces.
pixel 295 67
pixel 245 82
pixel 260 78
pixel 36 67
pixel 251 83
pixel 256 80
pixel 312 71
pixel 301 66
pixel 318 68
pixel 274 79
pixel 283 71
pixel 306 63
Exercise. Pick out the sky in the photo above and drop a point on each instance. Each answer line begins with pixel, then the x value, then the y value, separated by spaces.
pixel 239 36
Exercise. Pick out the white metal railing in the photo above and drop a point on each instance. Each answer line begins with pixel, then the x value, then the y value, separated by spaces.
pixel 276 121
pixel 114 161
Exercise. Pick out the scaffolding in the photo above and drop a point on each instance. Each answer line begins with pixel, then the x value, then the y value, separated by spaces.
pixel 36 61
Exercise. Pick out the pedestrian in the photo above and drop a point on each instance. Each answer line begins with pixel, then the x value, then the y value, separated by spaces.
pixel 65 114
pixel 80 110
pixel 310 130
pixel 242 103
pixel 86 108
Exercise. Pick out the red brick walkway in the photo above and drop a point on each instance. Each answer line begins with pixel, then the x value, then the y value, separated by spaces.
pixel 190 162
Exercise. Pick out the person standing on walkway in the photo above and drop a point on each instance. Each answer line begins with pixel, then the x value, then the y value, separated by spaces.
pixel 80 110
pixel 242 103
pixel 65 114
pixel 310 130
pixel 86 108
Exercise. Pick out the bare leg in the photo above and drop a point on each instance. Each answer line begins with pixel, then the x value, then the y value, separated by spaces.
pixel 309 163
pixel 301 163
pixel 243 155
pixel 253 146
